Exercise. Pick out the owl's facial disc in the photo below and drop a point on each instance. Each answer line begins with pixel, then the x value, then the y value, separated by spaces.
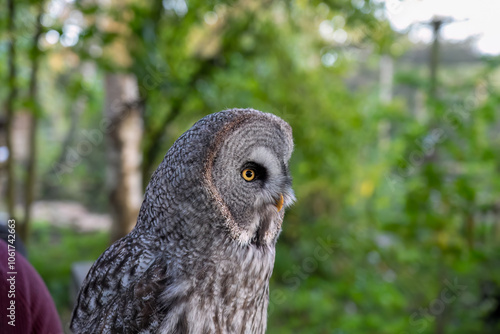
pixel 256 188
pixel 249 177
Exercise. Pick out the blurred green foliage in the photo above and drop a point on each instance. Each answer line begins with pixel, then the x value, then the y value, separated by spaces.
pixel 396 228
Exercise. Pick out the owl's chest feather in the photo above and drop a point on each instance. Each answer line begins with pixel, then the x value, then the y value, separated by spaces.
pixel 231 297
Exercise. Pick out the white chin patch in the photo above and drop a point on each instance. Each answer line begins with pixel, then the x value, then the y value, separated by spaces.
pixel 269 224
pixel 246 235
pixel 245 238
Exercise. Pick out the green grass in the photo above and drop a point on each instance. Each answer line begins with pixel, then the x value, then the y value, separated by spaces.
pixel 52 250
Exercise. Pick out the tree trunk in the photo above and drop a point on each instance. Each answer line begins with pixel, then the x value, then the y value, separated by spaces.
pixel 29 185
pixel 123 130
pixel 386 78
pixel 434 57
pixel 9 109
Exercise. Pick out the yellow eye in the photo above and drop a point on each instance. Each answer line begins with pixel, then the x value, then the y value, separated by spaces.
pixel 248 174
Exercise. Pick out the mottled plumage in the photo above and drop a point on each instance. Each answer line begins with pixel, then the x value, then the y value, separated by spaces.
pixel 201 255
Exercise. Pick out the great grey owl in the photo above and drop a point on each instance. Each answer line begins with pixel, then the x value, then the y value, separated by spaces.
pixel 201 255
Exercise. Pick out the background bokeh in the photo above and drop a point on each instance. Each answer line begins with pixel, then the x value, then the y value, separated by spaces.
pixel 397 224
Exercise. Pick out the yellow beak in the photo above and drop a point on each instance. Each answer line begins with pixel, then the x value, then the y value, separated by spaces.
pixel 279 203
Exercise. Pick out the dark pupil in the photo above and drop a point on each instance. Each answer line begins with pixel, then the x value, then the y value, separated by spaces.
pixel 249 173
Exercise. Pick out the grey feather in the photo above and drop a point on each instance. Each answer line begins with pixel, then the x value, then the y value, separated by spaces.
pixel 201 255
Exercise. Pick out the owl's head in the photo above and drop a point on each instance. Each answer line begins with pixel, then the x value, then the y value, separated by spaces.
pixel 247 173
pixel 229 170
